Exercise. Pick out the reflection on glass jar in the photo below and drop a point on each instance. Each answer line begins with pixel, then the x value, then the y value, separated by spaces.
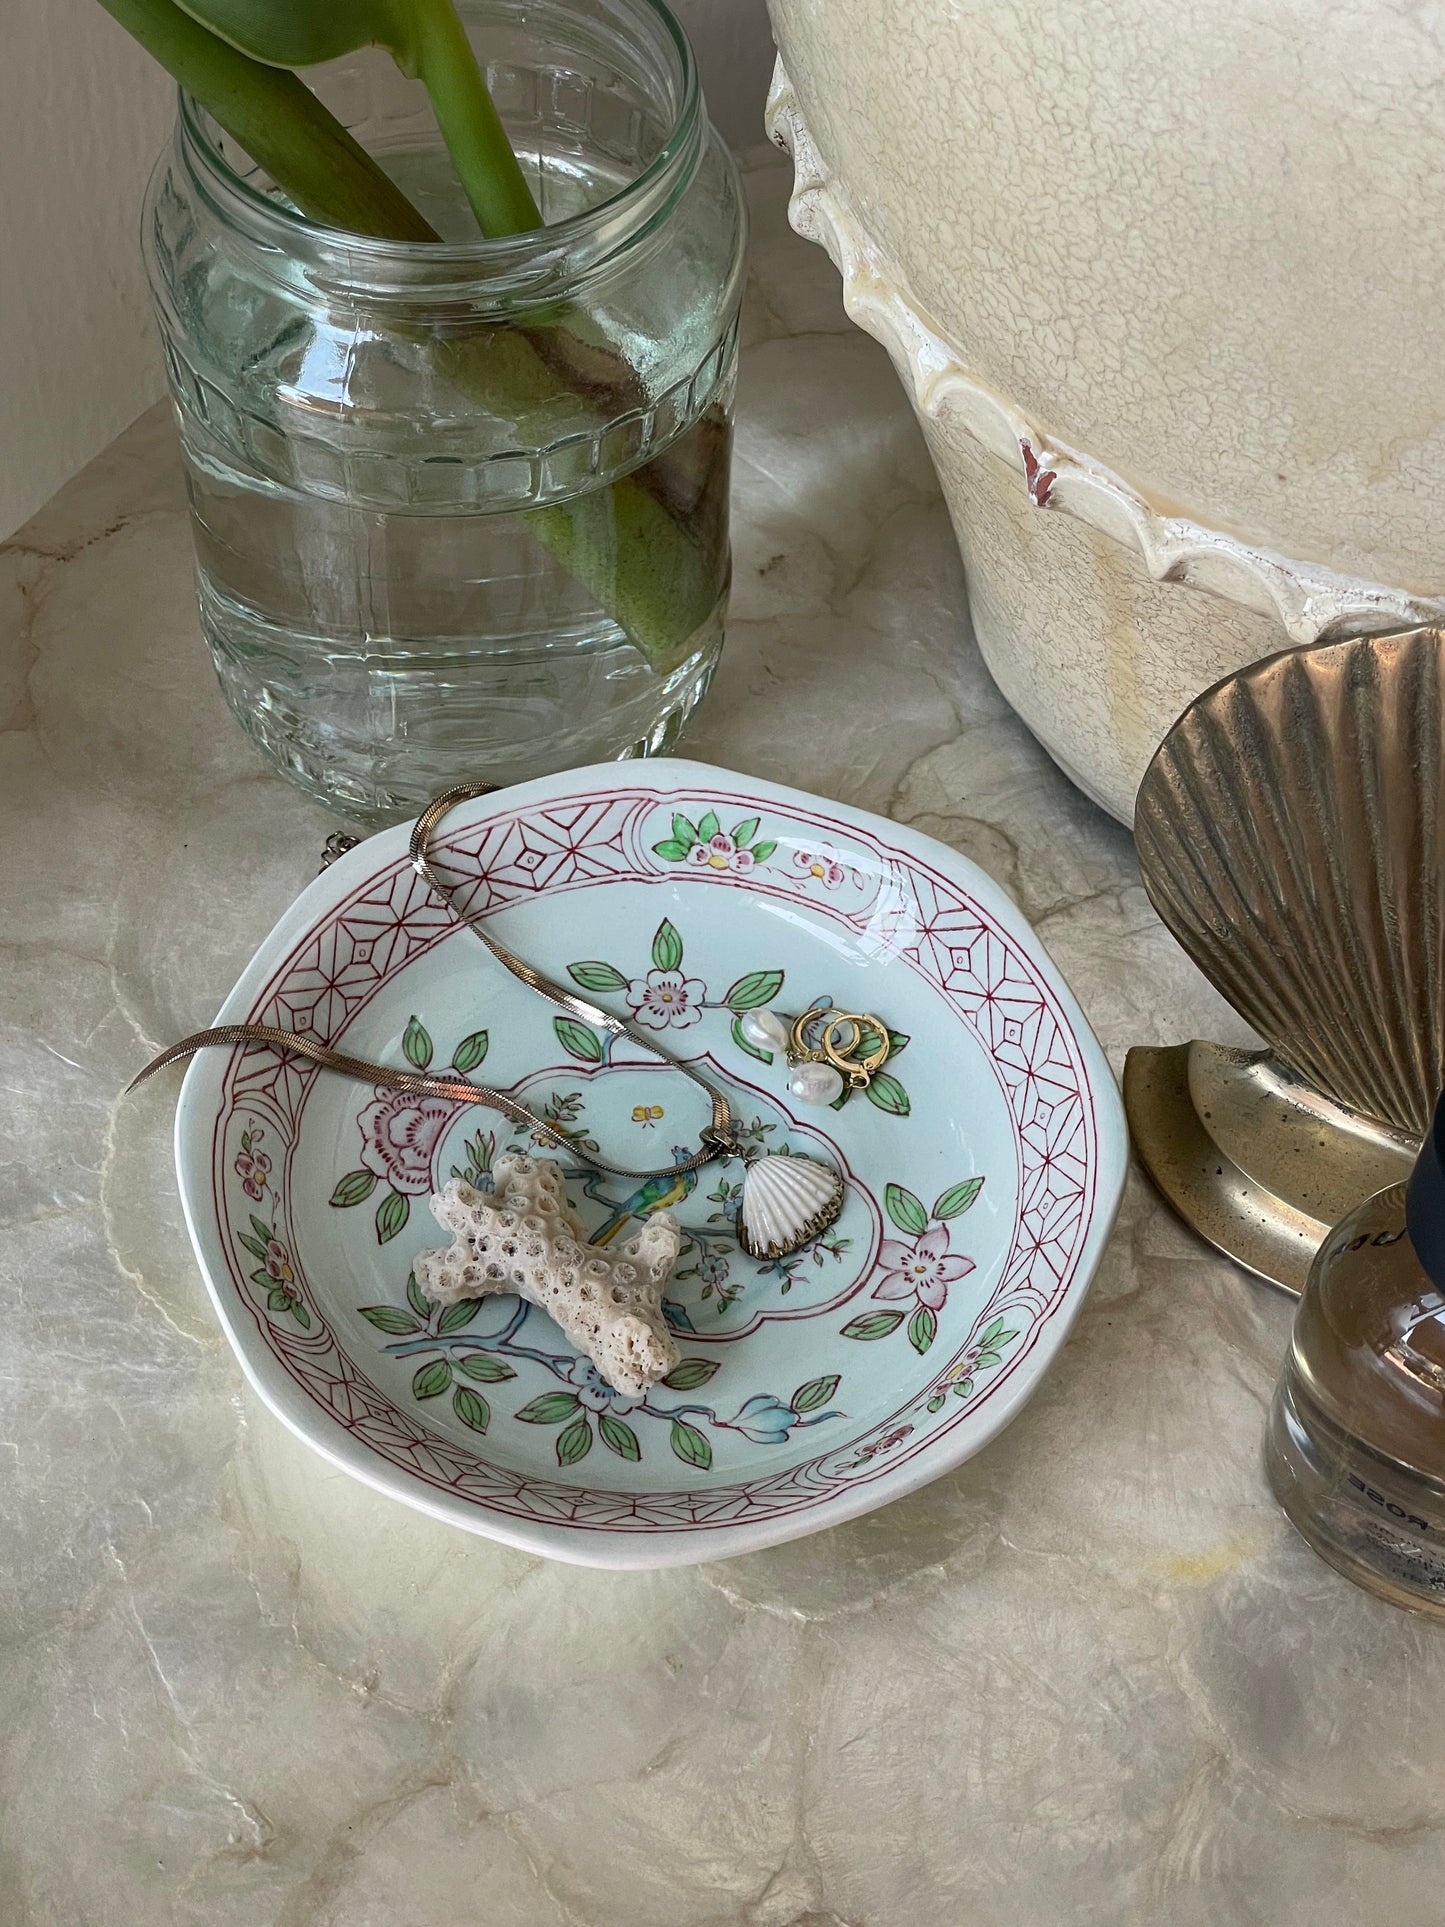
pixel 461 510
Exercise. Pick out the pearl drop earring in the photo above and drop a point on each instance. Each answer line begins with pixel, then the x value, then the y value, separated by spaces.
pixel 827 1050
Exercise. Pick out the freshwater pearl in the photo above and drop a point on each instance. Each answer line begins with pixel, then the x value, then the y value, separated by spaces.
pixel 816 1083
pixel 765 1030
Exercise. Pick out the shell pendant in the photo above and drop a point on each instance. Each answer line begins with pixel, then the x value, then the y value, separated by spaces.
pixel 786 1202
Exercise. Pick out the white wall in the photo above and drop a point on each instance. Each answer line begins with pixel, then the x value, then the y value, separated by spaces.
pixel 734 46
pixel 83 114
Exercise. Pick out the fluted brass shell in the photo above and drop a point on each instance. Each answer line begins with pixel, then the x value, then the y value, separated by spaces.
pixel 1290 835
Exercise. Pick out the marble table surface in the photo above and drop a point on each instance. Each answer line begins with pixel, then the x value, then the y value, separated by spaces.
pixel 1090 1678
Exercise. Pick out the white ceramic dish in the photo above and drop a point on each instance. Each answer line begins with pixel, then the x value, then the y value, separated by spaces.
pixel 983 1176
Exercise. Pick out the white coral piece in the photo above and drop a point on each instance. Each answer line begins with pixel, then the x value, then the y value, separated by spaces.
pixel 524 1238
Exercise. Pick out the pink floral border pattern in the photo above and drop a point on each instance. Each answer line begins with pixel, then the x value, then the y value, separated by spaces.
pixel 901 907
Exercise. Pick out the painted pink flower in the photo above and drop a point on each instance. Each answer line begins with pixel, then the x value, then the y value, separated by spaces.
pixel 965 1366
pixel 720 853
pixel 400 1134
pixel 885 1444
pixel 278 1263
pixel 821 864
pixel 665 999
pixel 252 1166
pixel 923 1270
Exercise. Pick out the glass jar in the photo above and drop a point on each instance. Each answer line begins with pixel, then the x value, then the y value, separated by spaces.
pixel 461 508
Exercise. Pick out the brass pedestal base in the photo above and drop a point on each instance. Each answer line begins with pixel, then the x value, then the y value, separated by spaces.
pixel 1254 1159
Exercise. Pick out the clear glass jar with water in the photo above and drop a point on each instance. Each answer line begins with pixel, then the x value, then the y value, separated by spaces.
pixel 461 509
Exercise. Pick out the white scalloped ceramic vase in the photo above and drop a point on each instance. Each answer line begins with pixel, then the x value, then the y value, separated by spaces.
pixel 1163 286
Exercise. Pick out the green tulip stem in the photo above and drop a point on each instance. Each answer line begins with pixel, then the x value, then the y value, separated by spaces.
pixel 441 57
pixel 281 124
pixel 638 561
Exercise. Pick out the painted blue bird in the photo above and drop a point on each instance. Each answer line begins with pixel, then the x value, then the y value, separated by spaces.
pixel 653 1194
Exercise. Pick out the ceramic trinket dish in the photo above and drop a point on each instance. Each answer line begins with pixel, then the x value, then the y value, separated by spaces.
pixel 1290 835
pixel 981 1167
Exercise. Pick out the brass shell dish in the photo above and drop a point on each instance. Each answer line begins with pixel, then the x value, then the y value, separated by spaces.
pixel 1290 836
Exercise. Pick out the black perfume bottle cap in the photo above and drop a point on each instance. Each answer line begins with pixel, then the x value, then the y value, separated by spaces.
pixel 1425 1200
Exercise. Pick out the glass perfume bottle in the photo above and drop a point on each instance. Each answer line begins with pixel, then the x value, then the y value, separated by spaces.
pixel 1355 1448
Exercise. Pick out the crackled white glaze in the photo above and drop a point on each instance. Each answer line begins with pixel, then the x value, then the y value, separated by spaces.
pixel 1128 281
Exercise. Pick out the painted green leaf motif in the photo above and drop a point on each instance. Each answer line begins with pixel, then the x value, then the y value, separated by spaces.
pixel 994 1334
pixel 300 1314
pixel 905 1210
pixel 262 1278
pixel 355 1188
pixel 262 1230
pixel 417 1298
pixel 690 1445
pixel 744 833
pixel 873 1035
pixel 667 946
pixel 922 1329
pixel 869 1038
pixel 754 991
pixel 389 1318
pixel 936 1403
pixel 619 1438
pixel 670 850
pixel 873 1324
pixel 416 1044
pixel 762 851
pixel 708 827
pixel 253 1245
pixel 486 1371
pixel 391 1215
pixel 962 1387
pixel 471 1408
pixel 677 1317
pixel 957 1199
pixel 763 1056
pixel 816 1392
pixel 431 1379
pixel 888 1094
pixel 578 1039
pixel 989 1358
pixel 550 1409
pixel 279 1299
pixel 575 1443
pixel 470 1052
pixel 684 832
pixel 597 975
pixel 457 1315
pixel 690 1373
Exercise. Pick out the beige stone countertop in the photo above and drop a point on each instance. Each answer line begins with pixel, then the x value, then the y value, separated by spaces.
pixel 1091 1679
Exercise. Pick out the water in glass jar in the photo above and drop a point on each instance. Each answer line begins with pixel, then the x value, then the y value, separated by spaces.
pixel 385 640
